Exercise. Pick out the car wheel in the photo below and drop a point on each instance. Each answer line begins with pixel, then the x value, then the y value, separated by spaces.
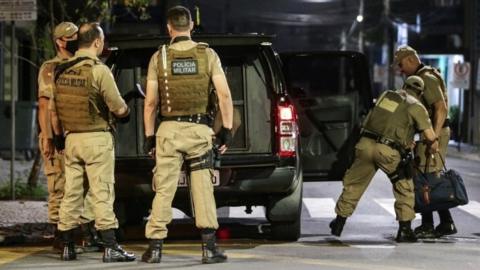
pixel 284 214
pixel 286 231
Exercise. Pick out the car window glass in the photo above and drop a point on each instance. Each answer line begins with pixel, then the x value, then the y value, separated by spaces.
pixel 321 76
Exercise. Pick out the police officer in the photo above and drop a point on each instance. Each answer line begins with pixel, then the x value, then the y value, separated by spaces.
pixel 85 95
pixel 65 41
pixel 387 134
pixel 436 103
pixel 178 81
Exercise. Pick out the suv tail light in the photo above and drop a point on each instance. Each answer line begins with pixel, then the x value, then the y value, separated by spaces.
pixel 286 129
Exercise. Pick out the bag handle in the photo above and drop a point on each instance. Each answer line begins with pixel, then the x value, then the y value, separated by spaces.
pixel 427 162
pixel 443 161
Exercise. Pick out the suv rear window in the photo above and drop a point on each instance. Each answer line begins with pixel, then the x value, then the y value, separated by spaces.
pixel 324 75
pixel 244 67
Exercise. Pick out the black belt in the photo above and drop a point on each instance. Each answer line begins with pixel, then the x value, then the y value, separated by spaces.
pixel 193 118
pixel 383 140
pixel 446 123
pixel 86 131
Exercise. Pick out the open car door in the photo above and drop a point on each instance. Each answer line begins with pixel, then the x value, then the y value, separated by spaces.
pixel 332 93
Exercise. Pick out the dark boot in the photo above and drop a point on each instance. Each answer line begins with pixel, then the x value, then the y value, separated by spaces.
pixel 90 239
pixel 114 252
pixel 425 231
pixel 210 251
pixel 405 233
pixel 446 226
pixel 154 252
pixel 57 244
pixel 337 224
pixel 68 253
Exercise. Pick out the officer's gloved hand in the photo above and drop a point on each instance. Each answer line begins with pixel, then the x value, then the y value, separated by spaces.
pixel 224 136
pixel 149 144
pixel 124 120
pixel 59 142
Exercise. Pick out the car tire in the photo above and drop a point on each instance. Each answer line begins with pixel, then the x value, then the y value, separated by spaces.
pixel 284 215
pixel 286 231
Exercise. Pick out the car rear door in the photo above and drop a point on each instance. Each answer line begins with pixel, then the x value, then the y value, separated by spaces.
pixel 331 92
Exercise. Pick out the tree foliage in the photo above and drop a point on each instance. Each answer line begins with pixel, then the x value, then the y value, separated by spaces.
pixel 52 12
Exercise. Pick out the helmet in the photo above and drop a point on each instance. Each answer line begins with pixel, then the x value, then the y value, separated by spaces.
pixel 414 83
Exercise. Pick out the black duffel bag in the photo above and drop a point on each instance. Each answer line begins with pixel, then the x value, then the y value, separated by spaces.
pixel 439 192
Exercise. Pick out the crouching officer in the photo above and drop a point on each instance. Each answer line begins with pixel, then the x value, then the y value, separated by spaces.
pixel 84 96
pixel 178 81
pixel 387 135
pixel 65 41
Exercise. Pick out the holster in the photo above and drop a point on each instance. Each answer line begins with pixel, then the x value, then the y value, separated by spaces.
pixel 405 168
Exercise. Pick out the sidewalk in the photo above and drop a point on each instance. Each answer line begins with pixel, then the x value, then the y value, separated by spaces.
pixel 467 151
pixel 23 222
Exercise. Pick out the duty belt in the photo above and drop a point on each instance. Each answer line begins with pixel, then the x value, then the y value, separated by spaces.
pixel 383 140
pixel 193 118
pixel 90 130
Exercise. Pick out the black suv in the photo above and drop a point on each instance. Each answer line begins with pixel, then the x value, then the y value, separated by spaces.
pixel 262 165
pixel 318 106
pixel 332 92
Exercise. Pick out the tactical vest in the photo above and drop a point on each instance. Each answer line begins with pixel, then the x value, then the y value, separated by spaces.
pixel 79 107
pixel 436 73
pixel 183 81
pixel 390 119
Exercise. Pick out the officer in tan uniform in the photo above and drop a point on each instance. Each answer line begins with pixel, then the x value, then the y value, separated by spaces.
pixel 179 78
pixel 387 134
pixel 65 41
pixel 436 103
pixel 85 97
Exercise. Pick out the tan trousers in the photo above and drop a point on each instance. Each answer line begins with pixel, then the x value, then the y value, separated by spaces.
pixel 435 163
pixel 92 155
pixel 54 170
pixel 177 141
pixel 369 157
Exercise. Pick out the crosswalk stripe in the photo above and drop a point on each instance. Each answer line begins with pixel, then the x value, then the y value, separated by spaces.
pixel 320 207
pixel 239 212
pixel 178 214
pixel 473 208
pixel 323 208
pixel 388 205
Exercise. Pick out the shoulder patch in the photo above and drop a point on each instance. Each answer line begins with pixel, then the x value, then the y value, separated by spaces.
pixel 47 70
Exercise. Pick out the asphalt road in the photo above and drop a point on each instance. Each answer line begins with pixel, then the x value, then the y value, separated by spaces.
pixel 367 241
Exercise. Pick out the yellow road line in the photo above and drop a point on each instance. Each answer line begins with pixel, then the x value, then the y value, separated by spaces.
pixel 8 255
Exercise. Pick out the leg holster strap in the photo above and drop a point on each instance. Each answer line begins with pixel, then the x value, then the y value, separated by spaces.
pixel 202 162
pixel 397 175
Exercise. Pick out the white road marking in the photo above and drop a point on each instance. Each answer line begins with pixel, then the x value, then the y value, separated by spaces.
pixel 320 207
pixel 239 212
pixel 388 203
pixel 325 208
pixel 178 214
pixel 473 208
pixel 373 246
